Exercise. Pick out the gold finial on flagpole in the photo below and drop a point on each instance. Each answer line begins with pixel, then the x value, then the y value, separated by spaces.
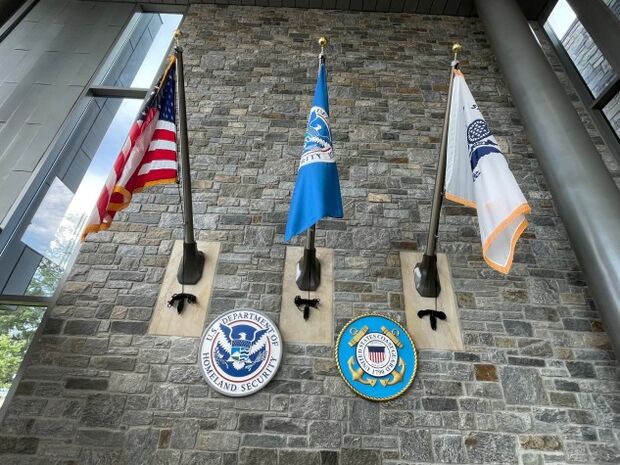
pixel 323 43
pixel 456 48
pixel 177 36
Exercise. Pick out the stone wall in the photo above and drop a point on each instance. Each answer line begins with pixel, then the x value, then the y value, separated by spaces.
pixel 537 382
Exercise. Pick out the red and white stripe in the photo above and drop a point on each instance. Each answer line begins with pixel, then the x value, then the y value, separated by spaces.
pixel 148 157
pixel 376 356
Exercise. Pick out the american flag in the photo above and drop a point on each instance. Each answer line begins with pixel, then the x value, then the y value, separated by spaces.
pixel 148 156
pixel 376 353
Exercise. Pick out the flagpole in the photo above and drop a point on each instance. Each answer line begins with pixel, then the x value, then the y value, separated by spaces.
pixel 309 267
pixel 192 263
pixel 425 273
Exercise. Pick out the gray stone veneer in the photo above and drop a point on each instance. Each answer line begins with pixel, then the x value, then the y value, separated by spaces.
pixel 537 382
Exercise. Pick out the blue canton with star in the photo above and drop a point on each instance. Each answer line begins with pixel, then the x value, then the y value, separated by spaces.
pixel 164 100
pixel 165 103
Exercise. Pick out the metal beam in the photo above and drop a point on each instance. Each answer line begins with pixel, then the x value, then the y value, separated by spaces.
pixel 582 188
pixel 546 11
pixel 163 8
pixel 26 300
pixel 602 25
pixel 118 92
pixel 11 13
pixel 606 95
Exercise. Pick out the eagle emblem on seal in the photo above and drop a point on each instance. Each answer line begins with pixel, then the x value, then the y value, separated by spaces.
pixel 240 349
pixel 318 136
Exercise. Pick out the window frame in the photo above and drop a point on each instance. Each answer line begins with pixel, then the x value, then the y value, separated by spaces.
pixel 593 106
pixel 26 206
pixel 13 20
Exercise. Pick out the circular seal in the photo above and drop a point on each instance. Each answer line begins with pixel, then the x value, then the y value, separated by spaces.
pixel 376 354
pixel 240 352
pixel 376 357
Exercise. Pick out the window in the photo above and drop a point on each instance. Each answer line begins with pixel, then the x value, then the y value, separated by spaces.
pixel 594 78
pixel 612 111
pixel 54 230
pixel 594 69
pixel 17 327
pixel 37 248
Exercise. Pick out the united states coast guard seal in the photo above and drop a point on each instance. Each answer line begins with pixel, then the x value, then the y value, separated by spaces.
pixel 376 357
pixel 240 352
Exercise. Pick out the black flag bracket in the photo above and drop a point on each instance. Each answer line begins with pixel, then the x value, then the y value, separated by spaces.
pixel 306 304
pixel 178 301
pixel 433 315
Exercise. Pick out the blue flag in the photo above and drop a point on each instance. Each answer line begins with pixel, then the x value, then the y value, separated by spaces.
pixel 317 191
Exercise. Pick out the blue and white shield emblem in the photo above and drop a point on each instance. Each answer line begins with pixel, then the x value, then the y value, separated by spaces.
pixel 318 138
pixel 239 348
pixel 240 352
pixel 376 357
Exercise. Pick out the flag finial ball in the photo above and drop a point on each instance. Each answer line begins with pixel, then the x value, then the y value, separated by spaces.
pixel 323 41
pixel 456 48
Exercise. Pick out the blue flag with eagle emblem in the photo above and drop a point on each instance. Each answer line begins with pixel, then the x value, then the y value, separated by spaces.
pixel 317 190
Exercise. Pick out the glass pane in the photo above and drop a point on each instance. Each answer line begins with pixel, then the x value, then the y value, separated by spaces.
pixel 42 232
pixel 141 50
pixel 53 234
pixel 17 327
pixel 612 111
pixel 561 19
pixel 34 263
pixel 106 153
pixel 587 58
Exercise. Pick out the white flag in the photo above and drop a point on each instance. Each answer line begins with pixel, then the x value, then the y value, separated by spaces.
pixel 478 176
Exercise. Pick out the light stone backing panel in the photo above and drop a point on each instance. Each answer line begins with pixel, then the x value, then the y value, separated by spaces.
pixel 319 328
pixel 448 333
pixel 191 322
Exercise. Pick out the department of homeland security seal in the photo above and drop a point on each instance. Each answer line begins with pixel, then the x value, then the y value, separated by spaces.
pixel 240 352
pixel 376 357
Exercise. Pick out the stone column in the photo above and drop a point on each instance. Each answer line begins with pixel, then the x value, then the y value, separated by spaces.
pixel 582 188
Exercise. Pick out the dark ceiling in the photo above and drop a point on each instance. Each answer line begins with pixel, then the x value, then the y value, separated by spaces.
pixel 532 8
